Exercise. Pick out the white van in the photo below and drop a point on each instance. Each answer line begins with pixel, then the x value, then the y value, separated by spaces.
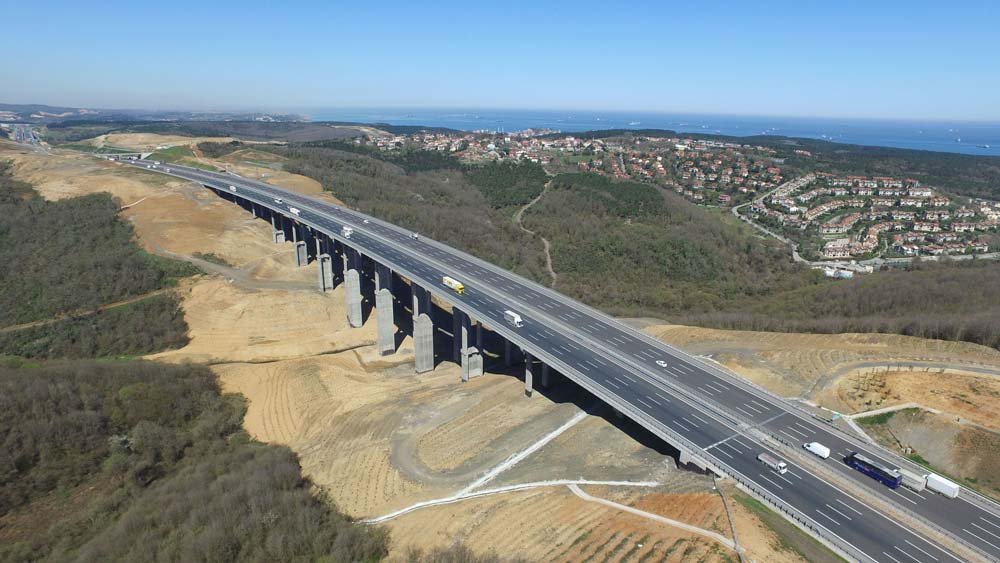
pixel 817 449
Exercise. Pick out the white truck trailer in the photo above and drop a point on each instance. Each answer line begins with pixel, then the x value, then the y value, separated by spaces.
pixel 941 485
pixel 772 462
pixel 513 319
pixel 346 232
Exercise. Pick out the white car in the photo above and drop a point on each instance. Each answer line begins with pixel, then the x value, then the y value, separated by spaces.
pixel 661 363
pixel 414 236
pixel 365 221
pixel 232 189
pixel 278 201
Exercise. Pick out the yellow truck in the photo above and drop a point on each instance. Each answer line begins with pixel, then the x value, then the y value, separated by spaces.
pixel 453 284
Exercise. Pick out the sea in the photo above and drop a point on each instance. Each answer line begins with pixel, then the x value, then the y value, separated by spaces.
pixel 966 137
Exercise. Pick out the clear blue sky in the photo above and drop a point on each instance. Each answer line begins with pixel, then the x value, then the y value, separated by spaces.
pixel 895 59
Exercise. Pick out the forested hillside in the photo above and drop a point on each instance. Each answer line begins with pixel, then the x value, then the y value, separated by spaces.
pixel 443 203
pixel 137 461
pixel 957 301
pixel 64 259
pixel 635 250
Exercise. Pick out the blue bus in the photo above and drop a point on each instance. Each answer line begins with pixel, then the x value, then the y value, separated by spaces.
pixel 889 477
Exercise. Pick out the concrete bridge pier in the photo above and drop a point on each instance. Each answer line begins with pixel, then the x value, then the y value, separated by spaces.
pixel 278 227
pixel 545 376
pixel 423 330
pixel 528 375
pixel 301 254
pixel 325 272
pixel 352 286
pixel 386 328
pixel 472 345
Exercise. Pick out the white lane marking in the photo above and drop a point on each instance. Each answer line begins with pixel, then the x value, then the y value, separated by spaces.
pixel 661 396
pixel 838 512
pixel 741 444
pixel 891 557
pixel 715 388
pixel 899 549
pixel 723 452
pixel 761 405
pixel 700 418
pixel 779 476
pixel 797 432
pixel 654 400
pixel 980 538
pixel 754 409
pixel 592 363
pixel 620 380
pixel 685 368
pixel 685 419
pixel 613 384
pixel 985 530
pixel 849 507
pixel 772 482
pixel 644 403
pixel 911 501
pixel 682 427
pixel 990 523
pixel 786 433
pixel 703 390
pixel 750 414
pixel 823 514
pixel 920 550
pixel 794 474
pixel 804 427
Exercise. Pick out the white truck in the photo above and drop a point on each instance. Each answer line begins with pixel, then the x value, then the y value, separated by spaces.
pixel 294 210
pixel 346 232
pixel 455 285
pixel 772 462
pixel 232 189
pixel 913 480
pixel 513 319
pixel 817 449
pixel 941 485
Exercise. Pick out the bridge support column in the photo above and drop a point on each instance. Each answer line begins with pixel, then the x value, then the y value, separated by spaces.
pixel 508 353
pixel 301 254
pixel 253 209
pixel 423 330
pixel 383 309
pixel 278 227
pixel 528 383
pixel 545 376
pixel 325 273
pixel 456 334
pixel 352 286
pixel 472 358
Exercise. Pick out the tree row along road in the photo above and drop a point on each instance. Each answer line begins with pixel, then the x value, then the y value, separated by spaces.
pixel 678 397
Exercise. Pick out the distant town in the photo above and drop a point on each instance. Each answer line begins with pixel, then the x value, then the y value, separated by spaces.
pixel 826 216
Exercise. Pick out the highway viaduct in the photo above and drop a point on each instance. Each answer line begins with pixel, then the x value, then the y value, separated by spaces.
pixel 715 419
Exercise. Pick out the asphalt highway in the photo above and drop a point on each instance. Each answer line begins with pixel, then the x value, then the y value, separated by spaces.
pixel 671 393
